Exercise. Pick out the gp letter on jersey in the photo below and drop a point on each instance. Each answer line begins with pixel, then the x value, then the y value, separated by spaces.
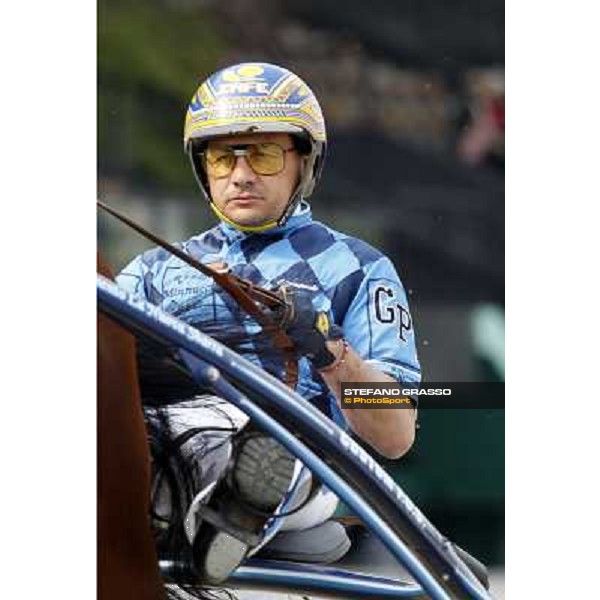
pixel 389 311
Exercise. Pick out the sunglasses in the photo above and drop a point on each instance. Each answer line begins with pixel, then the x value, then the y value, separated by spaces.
pixel 266 158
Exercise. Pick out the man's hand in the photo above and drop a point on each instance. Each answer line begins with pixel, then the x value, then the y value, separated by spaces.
pixel 390 431
pixel 308 328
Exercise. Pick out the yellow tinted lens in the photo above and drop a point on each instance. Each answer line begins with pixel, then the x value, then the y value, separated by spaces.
pixel 266 158
pixel 219 160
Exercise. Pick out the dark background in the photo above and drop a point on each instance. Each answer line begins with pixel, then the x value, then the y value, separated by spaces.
pixel 413 95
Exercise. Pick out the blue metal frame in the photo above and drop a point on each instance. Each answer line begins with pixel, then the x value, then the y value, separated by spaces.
pixel 281 576
pixel 206 359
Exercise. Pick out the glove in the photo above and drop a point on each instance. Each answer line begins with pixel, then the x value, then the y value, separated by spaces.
pixel 308 328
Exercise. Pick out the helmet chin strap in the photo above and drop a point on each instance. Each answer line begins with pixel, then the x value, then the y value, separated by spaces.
pixel 249 228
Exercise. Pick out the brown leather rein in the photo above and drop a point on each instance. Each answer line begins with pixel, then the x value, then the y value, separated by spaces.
pixel 245 293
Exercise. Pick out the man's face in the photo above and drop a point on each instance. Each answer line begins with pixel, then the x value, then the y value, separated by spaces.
pixel 248 198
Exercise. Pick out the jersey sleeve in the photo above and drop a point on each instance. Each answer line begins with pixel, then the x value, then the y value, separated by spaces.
pixel 379 326
pixel 144 275
pixel 133 276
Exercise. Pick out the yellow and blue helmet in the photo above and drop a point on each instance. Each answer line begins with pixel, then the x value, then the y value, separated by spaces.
pixel 256 98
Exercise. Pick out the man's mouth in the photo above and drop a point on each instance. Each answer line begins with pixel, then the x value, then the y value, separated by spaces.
pixel 245 199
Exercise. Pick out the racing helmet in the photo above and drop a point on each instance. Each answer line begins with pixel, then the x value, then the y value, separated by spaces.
pixel 257 97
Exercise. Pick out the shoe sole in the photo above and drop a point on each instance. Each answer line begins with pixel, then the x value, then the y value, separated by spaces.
pixel 263 472
pixel 222 556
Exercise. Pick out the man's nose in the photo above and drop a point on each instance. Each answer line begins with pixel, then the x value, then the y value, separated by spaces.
pixel 242 172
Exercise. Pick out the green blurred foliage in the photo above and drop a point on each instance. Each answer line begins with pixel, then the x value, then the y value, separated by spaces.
pixel 151 58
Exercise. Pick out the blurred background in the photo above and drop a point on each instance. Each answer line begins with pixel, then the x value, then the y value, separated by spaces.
pixel 413 96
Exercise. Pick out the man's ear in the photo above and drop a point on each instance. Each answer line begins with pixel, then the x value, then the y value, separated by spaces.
pixel 301 171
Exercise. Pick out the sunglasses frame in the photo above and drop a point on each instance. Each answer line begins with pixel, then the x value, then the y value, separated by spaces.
pixel 242 150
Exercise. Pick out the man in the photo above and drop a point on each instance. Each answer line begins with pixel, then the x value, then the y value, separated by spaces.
pixel 256 139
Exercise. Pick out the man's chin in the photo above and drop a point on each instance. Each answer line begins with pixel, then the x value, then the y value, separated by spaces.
pixel 248 218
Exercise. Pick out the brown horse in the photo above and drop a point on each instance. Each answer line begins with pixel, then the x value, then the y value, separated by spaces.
pixel 127 561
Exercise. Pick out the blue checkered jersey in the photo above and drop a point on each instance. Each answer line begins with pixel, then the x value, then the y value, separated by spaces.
pixel 351 280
